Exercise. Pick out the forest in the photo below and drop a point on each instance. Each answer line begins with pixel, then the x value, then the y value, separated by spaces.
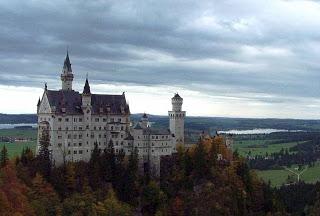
pixel 207 179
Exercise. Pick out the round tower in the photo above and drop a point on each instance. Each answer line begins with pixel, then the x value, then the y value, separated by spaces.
pixel 176 120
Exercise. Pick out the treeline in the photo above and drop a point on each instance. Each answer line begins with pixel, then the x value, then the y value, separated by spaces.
pixel 205 180
pixel 305 153
pixel 18 118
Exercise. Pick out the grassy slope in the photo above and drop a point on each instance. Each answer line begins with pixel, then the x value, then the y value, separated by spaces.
pixel 278 177
pixel 245 146
pixel 15 148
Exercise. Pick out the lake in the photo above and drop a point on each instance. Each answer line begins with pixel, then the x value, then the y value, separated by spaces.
pixel 256 131
pixel 9 126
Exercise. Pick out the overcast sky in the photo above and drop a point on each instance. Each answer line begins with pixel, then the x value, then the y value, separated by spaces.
pixel 248 58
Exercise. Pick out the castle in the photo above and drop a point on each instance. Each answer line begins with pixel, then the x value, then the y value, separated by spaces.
pixel 77 121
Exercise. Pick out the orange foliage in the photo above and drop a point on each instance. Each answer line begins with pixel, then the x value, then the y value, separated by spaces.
pixel 13 199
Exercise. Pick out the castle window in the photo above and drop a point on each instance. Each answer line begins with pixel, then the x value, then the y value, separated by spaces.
pixel 69 144
pixel 156 137
pixel 152 137
pixel 80 119
pixel 99 128
pixel 121 135
pixel 80 128
pixel 80 144
pixel 74 144
pixel 75 136
pixel 121 127
pixel 59 144
pixel 111 127
pixel 80 151
pixel 94 128
pixel 74 128
pixel 67 128
pixel 59 137
pixel 74 152
pixel 105 136
pixel 112 120
pixel 152 144
pixel 69 136
pixel 75 120
pixel 59 119
pixel 87 127
pixel 69 152
pixel 80 136
pixel 121 143
pixel 59 128
pixel 67 119
pixel 104 119
pixel 97 119
pixel 99 135
pixel 119 119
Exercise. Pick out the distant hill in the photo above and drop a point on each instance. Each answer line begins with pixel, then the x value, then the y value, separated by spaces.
pixel 199 123
pixel 17 118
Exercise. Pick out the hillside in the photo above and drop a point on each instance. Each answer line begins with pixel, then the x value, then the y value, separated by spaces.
pixel 200 123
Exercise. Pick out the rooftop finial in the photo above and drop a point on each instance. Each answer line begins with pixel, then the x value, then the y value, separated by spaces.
pixel 45 86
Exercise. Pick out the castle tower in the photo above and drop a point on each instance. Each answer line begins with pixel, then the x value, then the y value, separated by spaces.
pixel 66 75
pixel 87 109
pixel 176 118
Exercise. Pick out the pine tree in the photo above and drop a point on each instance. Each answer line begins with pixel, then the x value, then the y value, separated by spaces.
pixel 44 164
pixel 94 167
pixel 4 156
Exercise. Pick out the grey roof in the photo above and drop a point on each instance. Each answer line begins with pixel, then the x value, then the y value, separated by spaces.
pixel 156 131
pixel 72 102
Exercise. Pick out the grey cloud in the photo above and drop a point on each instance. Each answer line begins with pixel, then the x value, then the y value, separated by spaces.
pixel 111 40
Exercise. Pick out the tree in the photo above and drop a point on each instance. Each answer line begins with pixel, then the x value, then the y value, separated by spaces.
pixel 44 199
pixel 129 187
pixel 111 206
pixel 200 162
pixel 152 198
pixel 4 156
pixel 94 167
pixel 43 159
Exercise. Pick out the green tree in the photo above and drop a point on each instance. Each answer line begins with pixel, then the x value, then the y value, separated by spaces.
pixel 152 198
pixel 4 156
pixel 43 158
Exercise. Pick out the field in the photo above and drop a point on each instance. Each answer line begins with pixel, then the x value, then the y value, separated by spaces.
pixel 279 177
pixel 15 148
pixel 260 147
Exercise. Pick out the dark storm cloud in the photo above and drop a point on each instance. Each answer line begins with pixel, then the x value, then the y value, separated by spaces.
pixel 215 47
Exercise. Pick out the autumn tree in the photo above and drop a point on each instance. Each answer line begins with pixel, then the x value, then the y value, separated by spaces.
pixel 111 206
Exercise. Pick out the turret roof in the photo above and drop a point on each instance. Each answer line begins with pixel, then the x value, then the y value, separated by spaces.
pixel 67 63
pixel 86 89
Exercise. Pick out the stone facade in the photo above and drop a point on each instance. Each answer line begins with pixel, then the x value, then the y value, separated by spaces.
pixel 76 121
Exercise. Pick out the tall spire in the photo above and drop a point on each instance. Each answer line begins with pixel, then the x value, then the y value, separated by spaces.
pixel 67 64
pixel 86 89
pixel 66 75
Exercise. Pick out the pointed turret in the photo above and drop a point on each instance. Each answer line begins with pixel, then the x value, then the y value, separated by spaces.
pixel 67 76
pixel 86 89
pixel 67 64
pixel 86 94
